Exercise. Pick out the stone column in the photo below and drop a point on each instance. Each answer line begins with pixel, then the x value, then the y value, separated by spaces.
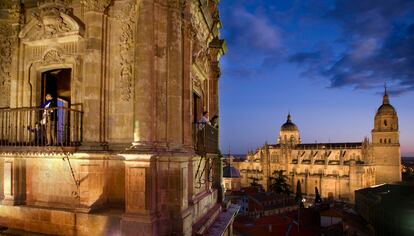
pixel 94 67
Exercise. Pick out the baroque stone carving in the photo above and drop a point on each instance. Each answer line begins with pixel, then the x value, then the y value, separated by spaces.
pixel 7 40
pixel 197 83
pixel 126 42
pixel 52 57
pixel 95 5
pixel 14 9
pixel 50 21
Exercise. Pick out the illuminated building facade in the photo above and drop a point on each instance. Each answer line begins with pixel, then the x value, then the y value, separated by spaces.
pixel 119 153
pixel 336 169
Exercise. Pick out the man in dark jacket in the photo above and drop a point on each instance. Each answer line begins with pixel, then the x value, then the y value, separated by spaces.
pixel 48 120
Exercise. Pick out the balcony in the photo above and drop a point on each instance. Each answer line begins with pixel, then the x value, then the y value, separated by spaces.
pixel 205 139
pixel 37 127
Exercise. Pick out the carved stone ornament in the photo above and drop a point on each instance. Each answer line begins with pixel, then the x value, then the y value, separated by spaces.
pixel 95 5
pixel 197 83
pixel 7 40
pixel 126 49
pixel 14 10
pixel 50 21
pixel 52 57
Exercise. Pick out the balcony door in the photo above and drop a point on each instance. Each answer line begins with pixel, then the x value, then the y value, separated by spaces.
pixel 57 84
pixel 197 108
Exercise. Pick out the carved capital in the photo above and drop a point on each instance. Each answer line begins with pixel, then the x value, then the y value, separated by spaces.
pixel 95 5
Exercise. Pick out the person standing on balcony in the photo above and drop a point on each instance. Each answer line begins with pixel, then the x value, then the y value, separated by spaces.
pixel 48 119
pixel 214 121
pixel 203 120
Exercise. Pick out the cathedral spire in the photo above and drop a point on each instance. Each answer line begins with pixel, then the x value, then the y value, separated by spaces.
pixel 289 117
pixel 385 99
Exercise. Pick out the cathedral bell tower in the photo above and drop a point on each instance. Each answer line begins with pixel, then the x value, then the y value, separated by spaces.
pixel 385 142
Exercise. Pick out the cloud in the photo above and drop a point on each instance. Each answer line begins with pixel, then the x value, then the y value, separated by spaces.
pixel 253 40
pixel 377 43
pixel 252 31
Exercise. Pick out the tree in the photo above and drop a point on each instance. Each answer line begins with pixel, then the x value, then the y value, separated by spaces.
pixel 279 183
pixel 299 197
pixel 254 183
pixel 318 198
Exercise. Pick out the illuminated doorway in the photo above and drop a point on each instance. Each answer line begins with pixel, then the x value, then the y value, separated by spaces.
pixel 57 83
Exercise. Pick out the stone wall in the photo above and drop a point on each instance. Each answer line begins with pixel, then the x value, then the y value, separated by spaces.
pixel 134 66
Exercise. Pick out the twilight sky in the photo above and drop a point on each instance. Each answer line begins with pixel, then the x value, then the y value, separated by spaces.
pixel 324 61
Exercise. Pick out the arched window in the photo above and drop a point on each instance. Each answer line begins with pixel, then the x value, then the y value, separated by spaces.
pixel 389 140
pixel 380 140
pixel 385 123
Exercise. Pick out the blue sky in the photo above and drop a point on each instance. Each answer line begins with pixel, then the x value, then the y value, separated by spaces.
pixel 324 61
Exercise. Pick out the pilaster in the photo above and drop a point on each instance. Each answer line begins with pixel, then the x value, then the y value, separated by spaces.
pixel 175 76
pixel 156 194
pixel 94 73
pixel 14 181
pixel 144 122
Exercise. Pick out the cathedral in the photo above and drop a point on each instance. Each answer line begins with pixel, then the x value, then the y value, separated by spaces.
pixel 99 105
pixel 336 169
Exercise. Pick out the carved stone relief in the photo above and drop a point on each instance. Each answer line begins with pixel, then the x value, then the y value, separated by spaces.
pixel 197 85
pixel 52 57
pixel 126 49
pixel 200 53
pixel 95 5
pixel 51 20
pixel 6 53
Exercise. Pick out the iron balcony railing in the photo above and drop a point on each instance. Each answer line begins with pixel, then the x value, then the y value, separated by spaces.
pixel 32 126
pixel 205 138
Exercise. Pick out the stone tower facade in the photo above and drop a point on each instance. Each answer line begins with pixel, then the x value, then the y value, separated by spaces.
pixel 386 144
pixel 121 152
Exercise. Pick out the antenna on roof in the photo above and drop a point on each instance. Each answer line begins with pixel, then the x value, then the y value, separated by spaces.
pixel 229 160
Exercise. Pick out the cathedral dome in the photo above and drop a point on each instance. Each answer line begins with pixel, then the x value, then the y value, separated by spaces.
pixel 231 172
pixel 289 125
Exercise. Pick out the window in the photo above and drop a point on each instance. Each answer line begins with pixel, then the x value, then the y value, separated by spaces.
pixel 389 140
pixel 380 140
pixel 385 123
